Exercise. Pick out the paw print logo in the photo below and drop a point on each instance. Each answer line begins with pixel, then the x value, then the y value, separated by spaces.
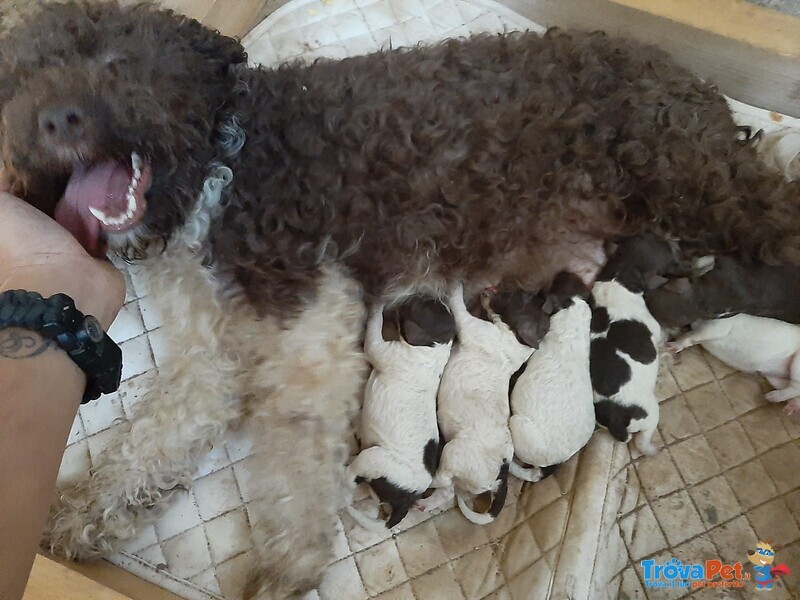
pixel 763 558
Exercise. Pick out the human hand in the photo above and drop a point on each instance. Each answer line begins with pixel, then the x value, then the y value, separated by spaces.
pixel 38 255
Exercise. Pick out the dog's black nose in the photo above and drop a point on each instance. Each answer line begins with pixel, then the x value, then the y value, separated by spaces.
pixel 65 123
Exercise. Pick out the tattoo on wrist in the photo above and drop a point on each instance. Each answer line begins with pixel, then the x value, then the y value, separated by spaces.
pixel 20 343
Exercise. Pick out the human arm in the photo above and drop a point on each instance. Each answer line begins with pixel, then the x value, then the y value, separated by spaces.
pixel 40 386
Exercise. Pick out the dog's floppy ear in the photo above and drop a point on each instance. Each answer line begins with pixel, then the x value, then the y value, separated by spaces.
pixel 680 286
pixel 617 418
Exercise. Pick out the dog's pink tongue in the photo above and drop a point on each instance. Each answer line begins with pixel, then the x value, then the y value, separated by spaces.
pixel 103 187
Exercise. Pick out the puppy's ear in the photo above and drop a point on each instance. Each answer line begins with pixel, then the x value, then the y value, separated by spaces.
pixel 398 514
pixel 530 331
pixel 680 286
pixel 414 334
pixel 613 417
pixel 499 496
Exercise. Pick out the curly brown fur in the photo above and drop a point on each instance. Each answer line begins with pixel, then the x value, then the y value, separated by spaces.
pixel 455 160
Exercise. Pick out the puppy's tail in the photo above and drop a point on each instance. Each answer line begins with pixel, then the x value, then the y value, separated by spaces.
pixel 365 520
pixel 497 500
pixel 532 474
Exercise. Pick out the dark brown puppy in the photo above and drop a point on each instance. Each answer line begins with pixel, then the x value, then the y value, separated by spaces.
pixel 729 288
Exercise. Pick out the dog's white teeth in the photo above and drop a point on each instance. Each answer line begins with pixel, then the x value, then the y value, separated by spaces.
pixel 136 163
pixel 131 204
pixel 105 219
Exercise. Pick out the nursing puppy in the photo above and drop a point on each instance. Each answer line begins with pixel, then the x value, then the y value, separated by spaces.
pixel 473 398
pixel 751 344
pixel 552 410
pixel 729 288
pixel 625 338
pixel 399 434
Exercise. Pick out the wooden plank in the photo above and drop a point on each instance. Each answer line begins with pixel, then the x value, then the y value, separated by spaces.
pixel 752 75
pixel 52 581
pixel 735 19
pixel 115 578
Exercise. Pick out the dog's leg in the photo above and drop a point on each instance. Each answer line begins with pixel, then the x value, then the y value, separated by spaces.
pixel 307 390
pixel 707 331
pixel 374 344
pixel 197 396
pixel 643 439
pixel 792 389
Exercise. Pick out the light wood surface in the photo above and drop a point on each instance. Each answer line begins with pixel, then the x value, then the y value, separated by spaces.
pixel 52 581
pixel 753 74
pixel 736 19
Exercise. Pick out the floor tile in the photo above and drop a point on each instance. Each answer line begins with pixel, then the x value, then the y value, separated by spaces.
pixel 187 554
pixel 181 516
pixel 342 582
pixel 439 583
pixel 420 549
pixel 745 392
pixel 380 567
pixel 136 357
pixel 715 500
pixel 478 573
pixel 676 421
pixel 642 533
pixel 765 428
pixel 751 484
pixel 732 539
pixel 457 535
pixel 694 459
pixel 678 518
pixel 691 370
pixel 216 494
pixel 101 414
pixel 75 465
pixel 658 475
pixel 730 444
pixel 228 535
pixel 783 466
pixel 128 323
pixel 772 521
pixel 709 405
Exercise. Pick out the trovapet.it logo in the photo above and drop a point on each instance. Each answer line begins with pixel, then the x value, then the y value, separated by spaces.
pixel 763 558
pixel 710 573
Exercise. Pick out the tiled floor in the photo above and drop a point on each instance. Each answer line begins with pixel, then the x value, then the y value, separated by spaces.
pixel 729 472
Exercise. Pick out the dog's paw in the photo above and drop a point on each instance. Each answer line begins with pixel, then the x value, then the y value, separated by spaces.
pixel 775 396
pixel 673 347
pixel 792 408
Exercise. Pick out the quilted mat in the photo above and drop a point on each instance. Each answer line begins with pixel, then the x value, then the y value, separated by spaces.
pixel 727 476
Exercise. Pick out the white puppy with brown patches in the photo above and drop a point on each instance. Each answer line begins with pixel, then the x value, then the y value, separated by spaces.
pixel 751 344
pixel 473 399
pixel 552 402
pixel 399 433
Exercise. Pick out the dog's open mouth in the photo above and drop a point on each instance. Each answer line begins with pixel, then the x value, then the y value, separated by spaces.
pixel 107 197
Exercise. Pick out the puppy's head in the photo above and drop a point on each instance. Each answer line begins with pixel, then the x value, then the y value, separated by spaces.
pixel 108 115
pixel 524 313
pixel 617 418
pixel 641 262
pixel 424 321
pixel 565 289
pixel 674 304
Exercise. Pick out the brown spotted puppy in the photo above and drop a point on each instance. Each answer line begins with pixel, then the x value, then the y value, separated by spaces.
pixel 625 340
pixel 473 398
pixel 399 434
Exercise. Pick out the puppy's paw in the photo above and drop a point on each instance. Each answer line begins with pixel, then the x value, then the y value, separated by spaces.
pixel 775 396
pixel 673 347
pixel 792 408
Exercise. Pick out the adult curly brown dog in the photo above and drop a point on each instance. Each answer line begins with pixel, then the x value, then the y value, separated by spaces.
pixel 282 195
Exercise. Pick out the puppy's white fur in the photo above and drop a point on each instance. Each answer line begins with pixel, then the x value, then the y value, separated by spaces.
pixel 623 304
pixel 398 420
pixel 754 345
pixel 552 408
pixel 473 405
